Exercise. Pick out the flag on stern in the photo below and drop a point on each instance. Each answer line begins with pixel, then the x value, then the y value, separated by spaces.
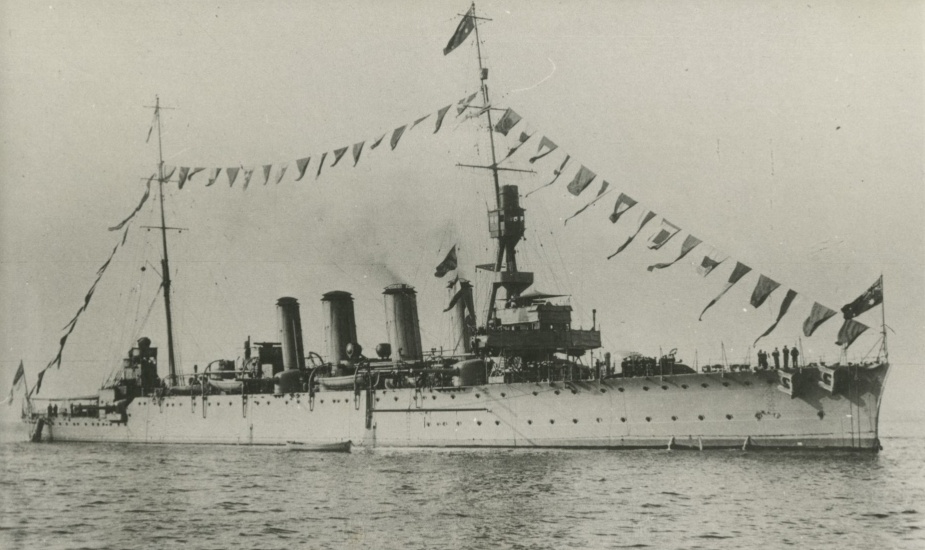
pixel 448 264
pixel 20 373
pixel 463 30
pixel 872 297
pixel 817 316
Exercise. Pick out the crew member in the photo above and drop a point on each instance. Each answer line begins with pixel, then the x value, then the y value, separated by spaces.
pixel 786 357
pixel 776 355
pixel 794 354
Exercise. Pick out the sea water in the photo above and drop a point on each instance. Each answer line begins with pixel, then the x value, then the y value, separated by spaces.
pixel 183 496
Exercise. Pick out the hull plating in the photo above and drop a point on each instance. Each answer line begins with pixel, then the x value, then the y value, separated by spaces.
pixel 696 411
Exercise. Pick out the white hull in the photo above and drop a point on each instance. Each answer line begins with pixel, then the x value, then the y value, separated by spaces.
pixel 696 411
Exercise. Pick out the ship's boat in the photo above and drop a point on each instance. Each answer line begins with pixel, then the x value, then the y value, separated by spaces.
pixel 525 376
pixel 334 447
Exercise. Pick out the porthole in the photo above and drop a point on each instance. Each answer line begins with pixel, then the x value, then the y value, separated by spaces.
pixel 674 417
pixel 534 393
pixel 497 422
pixel 529 422
pixel 728 417
pixel 479 422
pixel 684 386
pixel 603 390
pixel 700 417
pixel 648 419
pixel 664 387
pixel 575 421
pixel 645 388
pixel 478 395
pixel 503 394
pixel 557 392
pixel 551 421
pixel 821 414
pixel 622 419
pixel 396 398
pixel 452 397
pixel 598 420
pixel 620 389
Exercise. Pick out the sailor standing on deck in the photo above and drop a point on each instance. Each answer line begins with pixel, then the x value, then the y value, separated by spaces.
pixel 786 358
pixel 776 355
pixel 794 354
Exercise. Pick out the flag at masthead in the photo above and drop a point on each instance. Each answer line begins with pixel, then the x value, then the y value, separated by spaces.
pixel 462 31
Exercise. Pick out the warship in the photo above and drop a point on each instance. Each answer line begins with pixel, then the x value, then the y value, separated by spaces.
pixel 521 376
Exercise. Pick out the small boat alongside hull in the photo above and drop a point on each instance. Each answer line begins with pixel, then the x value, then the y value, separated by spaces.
pixel 335 447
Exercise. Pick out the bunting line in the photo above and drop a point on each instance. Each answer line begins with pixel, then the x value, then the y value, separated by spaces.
pixel 141 203
pixel 646 218
pixel 784 306
pixel 72 324
pixel 740 271
pixel 690 243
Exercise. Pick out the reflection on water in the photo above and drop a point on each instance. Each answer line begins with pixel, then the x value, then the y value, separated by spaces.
pixel 119 496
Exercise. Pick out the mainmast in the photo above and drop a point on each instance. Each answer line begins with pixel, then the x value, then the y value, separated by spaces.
pixel 165 264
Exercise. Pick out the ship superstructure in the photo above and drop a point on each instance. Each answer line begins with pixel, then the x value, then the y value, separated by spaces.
pixel 522 377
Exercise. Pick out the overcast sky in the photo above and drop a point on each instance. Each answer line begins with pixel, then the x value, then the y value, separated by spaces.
pixel 788 135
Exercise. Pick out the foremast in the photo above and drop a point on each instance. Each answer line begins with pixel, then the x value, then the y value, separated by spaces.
pixel 506 221
pixel 527 326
